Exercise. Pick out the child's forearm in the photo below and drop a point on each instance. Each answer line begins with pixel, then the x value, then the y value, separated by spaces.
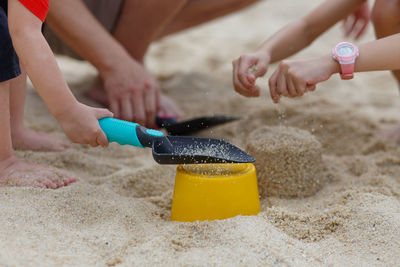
pixel 38 60
pixel 303 32
pixel 382 54
pixel 288 41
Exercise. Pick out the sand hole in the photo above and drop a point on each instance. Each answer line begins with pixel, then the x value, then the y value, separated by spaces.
pixel 147 182
pixel 307 227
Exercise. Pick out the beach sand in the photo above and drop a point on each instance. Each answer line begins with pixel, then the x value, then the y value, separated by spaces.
pixel 118 211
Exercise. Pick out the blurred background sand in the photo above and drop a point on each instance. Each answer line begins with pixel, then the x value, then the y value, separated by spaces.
pixel 118 212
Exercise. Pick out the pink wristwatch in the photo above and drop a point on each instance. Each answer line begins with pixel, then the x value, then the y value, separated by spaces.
pixel 345 53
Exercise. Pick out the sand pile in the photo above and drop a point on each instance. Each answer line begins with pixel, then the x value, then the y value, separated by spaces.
pixel 288 161
pixel 118 212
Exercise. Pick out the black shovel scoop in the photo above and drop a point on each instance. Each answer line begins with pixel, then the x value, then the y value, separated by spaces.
pixel 188 127
pixel 173 149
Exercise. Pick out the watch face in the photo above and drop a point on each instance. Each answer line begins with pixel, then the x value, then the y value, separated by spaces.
pixel 345 50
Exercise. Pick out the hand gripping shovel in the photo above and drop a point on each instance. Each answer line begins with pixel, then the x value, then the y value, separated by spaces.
pixel 173 149
pixel 188 127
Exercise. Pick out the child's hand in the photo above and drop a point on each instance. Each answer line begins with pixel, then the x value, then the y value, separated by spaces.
pixel 296 77
pixel 80 124
pixel 356 23
pixel 246 69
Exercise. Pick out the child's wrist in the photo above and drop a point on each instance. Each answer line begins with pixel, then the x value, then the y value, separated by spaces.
pixel 263 55
pixel 264 52
pixel 65 109
pixel 331 65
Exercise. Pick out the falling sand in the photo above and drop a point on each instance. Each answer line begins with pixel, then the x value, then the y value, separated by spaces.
pixel 117 213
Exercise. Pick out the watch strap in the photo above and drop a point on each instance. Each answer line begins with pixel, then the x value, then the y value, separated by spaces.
pixel 347 71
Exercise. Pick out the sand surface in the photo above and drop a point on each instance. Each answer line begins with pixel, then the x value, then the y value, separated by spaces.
pixel 118 212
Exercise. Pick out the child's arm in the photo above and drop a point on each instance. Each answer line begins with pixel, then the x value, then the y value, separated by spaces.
pixel 295 77
pixel 289 40
pixel 79 122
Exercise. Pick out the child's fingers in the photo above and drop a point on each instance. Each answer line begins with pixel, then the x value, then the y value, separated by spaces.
pixel 362 30
pixel 300 87
pixel 101 139
pixel 254 89
pixel 251 78
pixel 235 80
pixel 281 85
pixel 291 87
pixel 239 88
pixel 349 24
pixel 93 141
pixel 272 86
pixel 274 95
pixel 260 69
pixel 345 25
pixel 102 113
pixel 243 70
pixel 99 114
pixel 310 87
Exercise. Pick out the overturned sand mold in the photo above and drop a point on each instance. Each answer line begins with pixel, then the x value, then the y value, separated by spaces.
pixel 216 170
pixel 288 161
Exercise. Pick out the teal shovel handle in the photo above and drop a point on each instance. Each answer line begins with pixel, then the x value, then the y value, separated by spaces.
pixel 122 132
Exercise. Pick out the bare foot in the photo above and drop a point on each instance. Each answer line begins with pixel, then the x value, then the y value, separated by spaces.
pixel 17 173
pixel 27 139
pixel 168 108
pixel 392 134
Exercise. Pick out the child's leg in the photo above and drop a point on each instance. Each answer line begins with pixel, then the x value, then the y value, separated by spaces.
pixel 24 138
pixel 6 151
pixel 14 172
pixel 386 20
pixel 17 173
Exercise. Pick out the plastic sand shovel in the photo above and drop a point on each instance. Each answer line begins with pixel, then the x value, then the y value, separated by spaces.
pixel 188 127
pixel 173 149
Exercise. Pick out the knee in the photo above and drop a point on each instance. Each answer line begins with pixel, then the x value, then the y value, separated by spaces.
pixel 385 14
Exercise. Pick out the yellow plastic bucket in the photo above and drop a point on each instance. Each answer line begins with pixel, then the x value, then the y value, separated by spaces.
pixel 214 191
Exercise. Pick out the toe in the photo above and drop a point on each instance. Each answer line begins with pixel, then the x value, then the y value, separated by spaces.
pixel 46 182
pixel 39 184
pixel 70 181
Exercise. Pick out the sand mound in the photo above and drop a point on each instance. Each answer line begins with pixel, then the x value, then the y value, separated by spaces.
pixel 288 161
